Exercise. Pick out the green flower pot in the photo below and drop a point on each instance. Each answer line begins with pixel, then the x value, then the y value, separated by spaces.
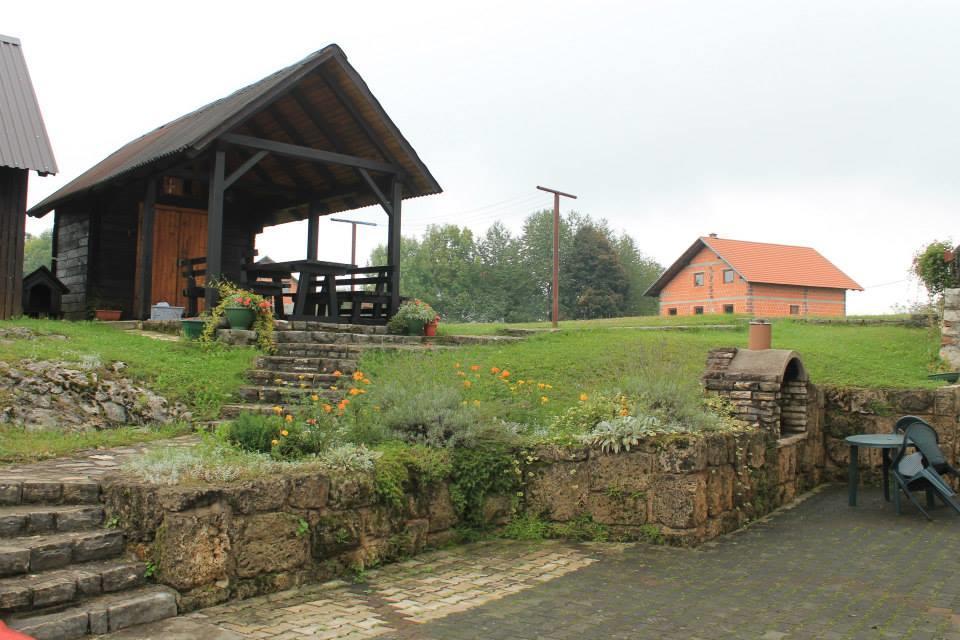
pixel 192 328
pixel 240 317
pixel 415 327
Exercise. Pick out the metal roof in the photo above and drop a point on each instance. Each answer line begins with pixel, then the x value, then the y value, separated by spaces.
pixel 23 138
pixel 762 262
pixel 195 131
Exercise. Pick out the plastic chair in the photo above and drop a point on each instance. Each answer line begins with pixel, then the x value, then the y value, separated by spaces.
pixel 922 469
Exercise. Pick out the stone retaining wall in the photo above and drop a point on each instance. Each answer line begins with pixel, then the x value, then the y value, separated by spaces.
pixel 215 543
pixel 950 328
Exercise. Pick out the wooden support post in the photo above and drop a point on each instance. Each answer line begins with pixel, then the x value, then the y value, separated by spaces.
pixel 313 231
pixel 142 312
pixel 215 227
pixel 393 245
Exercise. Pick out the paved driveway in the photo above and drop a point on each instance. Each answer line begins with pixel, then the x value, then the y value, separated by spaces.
pixel 819 570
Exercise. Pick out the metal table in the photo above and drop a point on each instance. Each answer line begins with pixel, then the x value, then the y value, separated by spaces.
pixel 884 441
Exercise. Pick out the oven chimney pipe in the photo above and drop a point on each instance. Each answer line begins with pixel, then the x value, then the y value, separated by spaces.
pixel 760 335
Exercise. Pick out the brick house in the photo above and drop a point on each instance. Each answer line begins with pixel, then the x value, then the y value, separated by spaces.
pixel 717 275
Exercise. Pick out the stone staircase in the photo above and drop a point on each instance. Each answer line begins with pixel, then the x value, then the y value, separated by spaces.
pixel 63 573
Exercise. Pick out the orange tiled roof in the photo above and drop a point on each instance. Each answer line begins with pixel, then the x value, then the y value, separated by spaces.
pixel 780 264
pixel 767 263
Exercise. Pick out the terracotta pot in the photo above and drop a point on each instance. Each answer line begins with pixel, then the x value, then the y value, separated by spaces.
pixel 107 315
pixel 430 329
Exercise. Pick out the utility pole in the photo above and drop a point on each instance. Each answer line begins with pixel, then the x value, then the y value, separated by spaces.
pixel 556 250
pixel 353 243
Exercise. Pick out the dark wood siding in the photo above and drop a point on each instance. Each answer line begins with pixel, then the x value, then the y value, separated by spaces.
pixel 113 256
pixel 13 205
pixel 72 259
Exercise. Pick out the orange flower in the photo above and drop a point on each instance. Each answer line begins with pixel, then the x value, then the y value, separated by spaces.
pixel 284 433
pixel 456 365
pixel 467 384
pixel 358 375
pixel 365 381
pixel 278 410
pixel 474 367
pixel 274 442
pixel 311 421
pixel 289 418
pixel 327 408
pixel 461 374
pixel 544 399
pixel 337 373
pixel 541 386
pixel 584 397
pixel 345 402
pixel 494 370
pixel 624 412
pixel 315 397
pixel 355 391
pixel 505 374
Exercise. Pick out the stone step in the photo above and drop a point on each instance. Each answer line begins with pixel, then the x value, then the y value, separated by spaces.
pixel 33 554
pixel 281 326
pixel 232 410
pixel 341 338
pixel 60 586
pixel 14 491
pixel 294 364
pixel 284 395
pixel 102 614
pixel 23 520
pixel 292 378
pixel 318 350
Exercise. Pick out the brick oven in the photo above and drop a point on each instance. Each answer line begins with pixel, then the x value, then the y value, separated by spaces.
pixel 768 387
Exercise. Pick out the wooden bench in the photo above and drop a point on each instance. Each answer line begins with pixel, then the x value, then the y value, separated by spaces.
pixel 360 296
pixel 195 270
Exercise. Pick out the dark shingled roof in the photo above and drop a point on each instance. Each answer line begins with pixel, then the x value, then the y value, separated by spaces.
pixel 23 137
pixel 195 131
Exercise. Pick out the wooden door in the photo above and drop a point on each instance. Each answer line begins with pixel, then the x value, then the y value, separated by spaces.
pixel 177 234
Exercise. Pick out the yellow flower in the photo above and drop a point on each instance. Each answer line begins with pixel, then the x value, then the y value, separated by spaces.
pixel 624 412
pixel 327 408
pixel 301 377
pixel 333 387
pixel 277 381
pixel 274 442
pixel 467 384
pixel 284 433
pixel 476 403
pixel 303 385
pixel 541 386
pixel 461 374
pixel 521 382
pixel 584 397
pixel 549 386
pixel 289 418
pixel 456 365
pixel 337 373
pixel 544 399
pixel 278 410
pixel 315 397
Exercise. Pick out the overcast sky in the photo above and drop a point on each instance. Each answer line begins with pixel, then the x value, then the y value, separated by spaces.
pixel 827 124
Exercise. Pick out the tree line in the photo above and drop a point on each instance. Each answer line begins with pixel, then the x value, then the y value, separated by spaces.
pixel 502 277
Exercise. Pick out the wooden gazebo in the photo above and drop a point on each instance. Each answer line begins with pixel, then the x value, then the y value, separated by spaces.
pixel 308 141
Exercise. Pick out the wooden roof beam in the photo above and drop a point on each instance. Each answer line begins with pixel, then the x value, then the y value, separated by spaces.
pixel 310 154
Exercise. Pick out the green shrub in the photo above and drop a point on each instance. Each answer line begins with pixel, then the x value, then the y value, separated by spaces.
pixel 253 432
pixel 582 529
pixel 487 468
pixel 406 468
pixel 585 415
pixel 526 527
pixel 348 458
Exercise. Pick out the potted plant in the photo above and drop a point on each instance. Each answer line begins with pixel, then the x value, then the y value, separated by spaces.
pixel 192 327
pixel 412 317
pixel 241 309
pixel 430 329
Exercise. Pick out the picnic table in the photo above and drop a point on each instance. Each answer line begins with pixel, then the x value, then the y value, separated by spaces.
pixel 311 272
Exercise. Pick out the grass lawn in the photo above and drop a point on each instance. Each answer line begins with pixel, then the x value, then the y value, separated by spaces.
pixel 589 357
pixel 17 445
pixel 179 371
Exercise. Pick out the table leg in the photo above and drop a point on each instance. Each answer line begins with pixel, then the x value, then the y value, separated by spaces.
pixel 301 300
pixel 886 474
pixel 854 475
pixel 333 309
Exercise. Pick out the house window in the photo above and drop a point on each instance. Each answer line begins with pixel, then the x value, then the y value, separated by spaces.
pixel 698 279
pixel 794 309
pixel 172 186
pixel 727 276
pixel 672 311
pixel 728 308
pixel 698 311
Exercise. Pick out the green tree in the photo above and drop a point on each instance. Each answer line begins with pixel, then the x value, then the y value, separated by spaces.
pixel 505 290
pixel 934 272
pixel 37 251
pixel 641 272
pixel 536 245
pixel 598 281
